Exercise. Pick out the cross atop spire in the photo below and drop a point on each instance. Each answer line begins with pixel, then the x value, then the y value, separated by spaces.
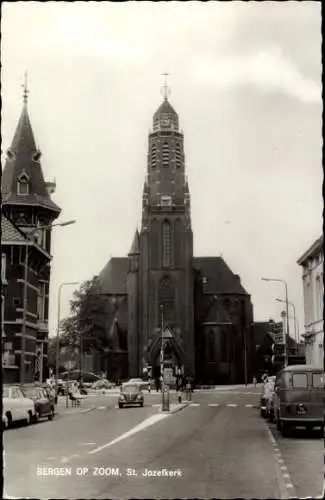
pixel 26 91
pixel 165 90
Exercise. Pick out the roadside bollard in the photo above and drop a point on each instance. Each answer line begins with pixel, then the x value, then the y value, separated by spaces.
pixel 179 398
pixel 165 401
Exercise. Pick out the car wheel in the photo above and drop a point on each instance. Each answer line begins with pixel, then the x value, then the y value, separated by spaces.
pixel 51 415
pixel 141 404
pixel 29 419
pixel 263 413
pixel 271 416
pixel 9 420
pixel 286 428
pixel 120 405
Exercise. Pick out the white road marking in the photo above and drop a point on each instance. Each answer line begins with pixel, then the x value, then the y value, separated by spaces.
pixel 51 458
pixel 194 404
pixel 156 406
pixel 143 425
pixel 232 405
pixel 213 404
pixel 249 406
pixel 91 443
pixel 101 407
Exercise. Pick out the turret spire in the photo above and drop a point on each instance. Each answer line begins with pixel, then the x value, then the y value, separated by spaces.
pixel 165 90
pixel 26 91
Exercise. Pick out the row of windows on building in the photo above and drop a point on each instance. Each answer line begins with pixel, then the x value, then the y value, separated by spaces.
pixel 17 301
pixel 314 298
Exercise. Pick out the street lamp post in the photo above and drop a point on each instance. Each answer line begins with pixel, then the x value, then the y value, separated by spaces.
pixel 57 364
pixel 26 263
pixel 287 313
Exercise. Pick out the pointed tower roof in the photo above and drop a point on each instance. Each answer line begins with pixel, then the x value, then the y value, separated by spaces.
pixel 23 161
pixel 165 116
pixel 135 248
pixel 165 107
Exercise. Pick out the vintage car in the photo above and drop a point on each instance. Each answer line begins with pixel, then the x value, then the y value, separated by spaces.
pixel 44 406
pixel 130 395
pixel 299 398
pixel 16 407
pixel 266 396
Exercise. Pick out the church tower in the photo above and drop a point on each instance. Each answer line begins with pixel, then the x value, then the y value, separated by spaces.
pixel 166 247
pixel 27 203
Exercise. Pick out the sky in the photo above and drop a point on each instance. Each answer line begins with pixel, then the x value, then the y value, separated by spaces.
pixel 245 80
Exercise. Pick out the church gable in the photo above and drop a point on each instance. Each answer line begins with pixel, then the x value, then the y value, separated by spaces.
pixel 217 277
pixel 113 277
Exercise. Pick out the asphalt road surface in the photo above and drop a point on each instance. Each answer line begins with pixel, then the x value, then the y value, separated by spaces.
pixel 218 446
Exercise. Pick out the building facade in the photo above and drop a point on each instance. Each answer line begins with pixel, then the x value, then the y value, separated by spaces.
pixel 161 286
pixel 26 252
pixel 312 263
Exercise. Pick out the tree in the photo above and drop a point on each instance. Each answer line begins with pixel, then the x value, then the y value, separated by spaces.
pixel 89 318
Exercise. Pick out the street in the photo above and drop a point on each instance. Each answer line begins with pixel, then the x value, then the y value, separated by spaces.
pixel 218 446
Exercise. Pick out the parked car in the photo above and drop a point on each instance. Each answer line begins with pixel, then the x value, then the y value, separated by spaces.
pixel 44 407
pixel 299 398
pixel 51 393
pixel 270 399
pixel 16 407
pixel 130 395
pixel 266 395
pixel 139 381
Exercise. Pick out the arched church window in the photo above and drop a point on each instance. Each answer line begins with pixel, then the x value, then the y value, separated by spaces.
pixel 167 244
pixel 154 243
pixel 166 297
pixel 178 243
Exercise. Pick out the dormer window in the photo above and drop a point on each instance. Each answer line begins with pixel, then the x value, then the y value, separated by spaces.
pixel 23 185
pixel 10 155
pixel 37 155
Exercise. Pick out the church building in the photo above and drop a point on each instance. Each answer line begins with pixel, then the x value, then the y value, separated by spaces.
pixel 198 302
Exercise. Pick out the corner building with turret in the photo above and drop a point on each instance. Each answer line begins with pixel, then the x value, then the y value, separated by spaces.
pixel 199 302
